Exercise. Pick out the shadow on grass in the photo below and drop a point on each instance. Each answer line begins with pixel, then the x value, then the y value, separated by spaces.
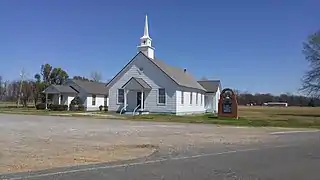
pixel 303 115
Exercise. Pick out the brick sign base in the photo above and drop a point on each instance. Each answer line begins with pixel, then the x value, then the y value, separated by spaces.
pixel 228 105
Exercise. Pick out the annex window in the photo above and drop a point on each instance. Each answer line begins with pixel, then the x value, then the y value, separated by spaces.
pixel 190 97
pixel 120 96
pixel 161 96
pixel 182 97
pixel 93 100
pixel 105 100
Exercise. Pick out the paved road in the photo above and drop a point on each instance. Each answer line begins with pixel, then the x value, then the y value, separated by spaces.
pixel 294 156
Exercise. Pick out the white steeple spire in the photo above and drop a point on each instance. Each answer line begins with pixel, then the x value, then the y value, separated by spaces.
pixel 145 41
pixel 146 28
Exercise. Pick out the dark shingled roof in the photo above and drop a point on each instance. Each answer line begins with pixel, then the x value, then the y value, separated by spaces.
pixel 61 89
pixel 142 83
pixel 92 87
pixel 210 85
pixel 181 77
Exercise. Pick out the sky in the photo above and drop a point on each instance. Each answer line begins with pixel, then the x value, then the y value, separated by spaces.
pixel 249 45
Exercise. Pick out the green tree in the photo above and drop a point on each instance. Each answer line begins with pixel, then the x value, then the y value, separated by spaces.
pixel 58 76
pixel 311 79
pixel 45 72
pixel 49 75
pixel 37 77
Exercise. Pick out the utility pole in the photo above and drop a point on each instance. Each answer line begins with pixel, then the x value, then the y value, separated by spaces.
pixel 22 74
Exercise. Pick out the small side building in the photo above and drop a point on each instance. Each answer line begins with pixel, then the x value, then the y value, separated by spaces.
pixel 92 94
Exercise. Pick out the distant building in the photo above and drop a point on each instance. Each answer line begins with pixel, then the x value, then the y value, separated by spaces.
pixel 284 104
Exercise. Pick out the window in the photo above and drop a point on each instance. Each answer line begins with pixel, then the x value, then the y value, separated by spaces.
pixel 182 97
pixel 197 96
pixel 120 96
pixel 61 98
pixel 105 100
pixel 201 100
pixel 190 97
pixel 93 100
pixel 162 96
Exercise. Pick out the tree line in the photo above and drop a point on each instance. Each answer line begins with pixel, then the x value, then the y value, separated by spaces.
pixel 246 98
pixel 29 90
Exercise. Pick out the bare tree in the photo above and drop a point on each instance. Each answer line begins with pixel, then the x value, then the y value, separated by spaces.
pixel 3 88
pixel 311 80
pixel 96 76
pixel 27 92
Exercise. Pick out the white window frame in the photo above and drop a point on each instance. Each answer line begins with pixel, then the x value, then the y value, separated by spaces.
pixel 162 96
pixel 182 97
pixel 118 96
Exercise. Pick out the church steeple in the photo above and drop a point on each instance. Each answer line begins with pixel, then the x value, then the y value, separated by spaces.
pixel 145 41
pixel 146 28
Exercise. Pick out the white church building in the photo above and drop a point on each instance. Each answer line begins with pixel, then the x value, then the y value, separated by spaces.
pixel 147 85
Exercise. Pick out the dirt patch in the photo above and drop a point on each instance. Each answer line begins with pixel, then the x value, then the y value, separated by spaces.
pixel 18 160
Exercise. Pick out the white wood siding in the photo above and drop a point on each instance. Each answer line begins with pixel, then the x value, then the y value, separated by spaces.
pixel 99 102
pixel 154 77
pixel 212 101
pixel 67 98
pixel 216 101
pixel 186 107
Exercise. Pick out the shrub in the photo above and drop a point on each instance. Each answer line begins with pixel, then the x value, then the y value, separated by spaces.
pixel 105 108
pixel 58 107
pixel 76 101
pixel 73 107
pixel 41 106
pixel 100 107
pixel 79 107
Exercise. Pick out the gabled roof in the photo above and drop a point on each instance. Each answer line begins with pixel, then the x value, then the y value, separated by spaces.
pixel 139 81
pixel 143 83
pixel 178 75
pixel 92 87
pixel 59 89
pixel 210 85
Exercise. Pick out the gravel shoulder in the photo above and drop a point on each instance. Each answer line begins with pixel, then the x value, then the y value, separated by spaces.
pixel 40 142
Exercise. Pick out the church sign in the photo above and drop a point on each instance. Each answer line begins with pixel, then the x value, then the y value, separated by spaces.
pixel 228 106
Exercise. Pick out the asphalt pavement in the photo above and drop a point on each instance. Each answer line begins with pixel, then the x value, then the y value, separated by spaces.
pixel 295 156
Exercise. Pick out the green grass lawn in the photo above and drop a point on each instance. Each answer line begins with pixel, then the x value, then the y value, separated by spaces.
pixel 249 116
pixel 242 121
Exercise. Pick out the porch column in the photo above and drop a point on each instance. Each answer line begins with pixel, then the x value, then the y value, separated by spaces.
pixel 142 94
pixel 125 99
pixel 46 100
pixel 59 98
